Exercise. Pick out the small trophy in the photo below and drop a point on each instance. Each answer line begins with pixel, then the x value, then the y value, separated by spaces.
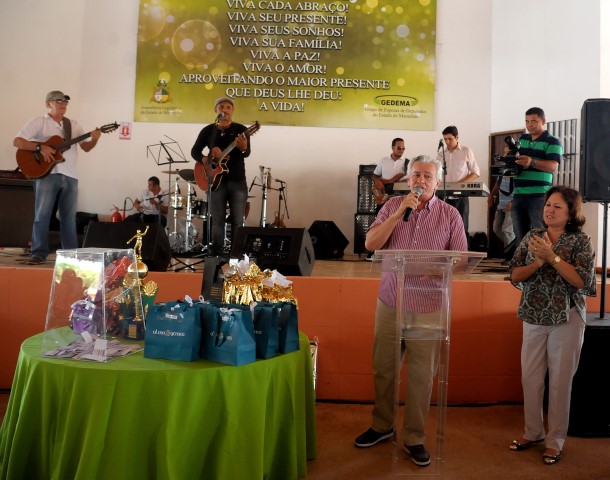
pixel 144 295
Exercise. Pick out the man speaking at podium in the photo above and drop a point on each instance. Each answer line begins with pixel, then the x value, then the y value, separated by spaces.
pixel 417 221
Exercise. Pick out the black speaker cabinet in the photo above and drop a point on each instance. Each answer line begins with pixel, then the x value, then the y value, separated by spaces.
pixel 16 212
pixel 287 250
pixel 327 239
pixel 156 253
pixel 594 179
pixel 589 408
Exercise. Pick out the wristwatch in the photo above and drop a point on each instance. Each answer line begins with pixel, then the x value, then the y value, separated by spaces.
pixel 556 260
pixel 533 164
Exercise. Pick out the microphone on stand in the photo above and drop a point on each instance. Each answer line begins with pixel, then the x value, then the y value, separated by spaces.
pixel 440 144
pixel 219 117
pixel 408 211
pixel 279 181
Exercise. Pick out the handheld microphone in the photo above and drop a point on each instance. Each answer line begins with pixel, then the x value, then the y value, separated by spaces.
pixel 220 117
pixel 408 211
pixel 440 144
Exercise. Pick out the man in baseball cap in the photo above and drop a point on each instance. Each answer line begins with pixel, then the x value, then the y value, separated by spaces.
pixel 57 95
pixel 220 100
pixel 229 187
pixel 59 180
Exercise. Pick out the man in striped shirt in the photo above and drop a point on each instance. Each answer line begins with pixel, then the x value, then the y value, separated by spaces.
pixel 431 225
pixel 540 154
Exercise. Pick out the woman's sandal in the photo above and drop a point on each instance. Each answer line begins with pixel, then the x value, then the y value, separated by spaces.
pixel 518 446
pixel 551 459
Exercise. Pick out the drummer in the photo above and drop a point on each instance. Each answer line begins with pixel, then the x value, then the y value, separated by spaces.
pixel 151 204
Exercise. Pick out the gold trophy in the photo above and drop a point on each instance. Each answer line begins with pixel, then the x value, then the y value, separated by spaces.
pixel 144 295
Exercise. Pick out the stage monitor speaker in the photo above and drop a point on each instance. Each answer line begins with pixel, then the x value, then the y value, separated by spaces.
pixel 287 250
pixel 156 252
pixel 594 179
pixel 589 412
pixel 327 239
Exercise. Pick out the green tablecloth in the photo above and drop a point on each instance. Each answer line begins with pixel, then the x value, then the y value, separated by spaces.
pixel 138 418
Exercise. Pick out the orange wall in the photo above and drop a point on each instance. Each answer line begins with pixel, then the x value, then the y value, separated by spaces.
pixel 485 336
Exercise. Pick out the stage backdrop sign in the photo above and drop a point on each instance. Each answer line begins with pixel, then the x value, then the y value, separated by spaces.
pixel 343 63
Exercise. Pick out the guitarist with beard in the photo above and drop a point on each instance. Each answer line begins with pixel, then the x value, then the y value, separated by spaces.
pixel 61 183
pixel 228 187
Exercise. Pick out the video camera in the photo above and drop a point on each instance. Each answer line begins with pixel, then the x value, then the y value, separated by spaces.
pixel 506 165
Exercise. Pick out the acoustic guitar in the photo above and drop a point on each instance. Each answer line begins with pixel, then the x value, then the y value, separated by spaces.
pixel 218 165
pixel 379 196
pixel 33 164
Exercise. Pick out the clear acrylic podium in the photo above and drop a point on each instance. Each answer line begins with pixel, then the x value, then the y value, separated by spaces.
pixel 423 320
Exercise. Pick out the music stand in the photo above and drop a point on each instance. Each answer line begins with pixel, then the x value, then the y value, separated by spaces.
pixel 166 148
pixel 167 153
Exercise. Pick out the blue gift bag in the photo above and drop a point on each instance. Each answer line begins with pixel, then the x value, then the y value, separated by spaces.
pixel 288 324
pixel 228 334
pixel 173 331
pixel 266 329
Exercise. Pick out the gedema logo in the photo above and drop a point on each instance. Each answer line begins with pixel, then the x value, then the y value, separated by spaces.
pixel 168 333
pixel 396 101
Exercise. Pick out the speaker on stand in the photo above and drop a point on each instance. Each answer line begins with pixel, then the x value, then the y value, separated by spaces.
pixel 594 178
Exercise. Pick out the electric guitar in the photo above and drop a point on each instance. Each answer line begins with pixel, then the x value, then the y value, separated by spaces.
pixel 218 165
pixel 279 221
pixel 33 164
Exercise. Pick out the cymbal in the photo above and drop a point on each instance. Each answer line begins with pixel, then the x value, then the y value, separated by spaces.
pixel 171 171
pixel 187 174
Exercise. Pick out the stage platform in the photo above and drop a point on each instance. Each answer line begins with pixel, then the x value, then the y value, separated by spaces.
pixel 336 305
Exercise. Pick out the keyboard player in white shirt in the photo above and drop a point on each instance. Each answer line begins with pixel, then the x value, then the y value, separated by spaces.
pixel 462 167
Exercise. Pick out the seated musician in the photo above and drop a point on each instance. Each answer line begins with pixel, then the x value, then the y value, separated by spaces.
pixel 151 205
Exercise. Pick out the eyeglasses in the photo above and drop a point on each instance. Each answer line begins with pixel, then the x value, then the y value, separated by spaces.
pixel 399 148
pixel 62 102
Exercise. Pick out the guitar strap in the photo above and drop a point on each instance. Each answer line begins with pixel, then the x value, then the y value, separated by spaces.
pixel 67 129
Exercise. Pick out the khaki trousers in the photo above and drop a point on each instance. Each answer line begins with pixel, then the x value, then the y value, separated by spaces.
pixel 421 348
pixel 557 348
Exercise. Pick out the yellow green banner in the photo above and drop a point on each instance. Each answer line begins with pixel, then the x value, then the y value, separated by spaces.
pixel 343 63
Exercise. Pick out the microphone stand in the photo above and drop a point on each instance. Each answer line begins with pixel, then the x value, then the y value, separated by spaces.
pixel 208 172
pixel 442 147
pixel 266 185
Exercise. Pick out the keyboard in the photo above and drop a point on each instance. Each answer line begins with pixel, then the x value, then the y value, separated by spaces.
pixel 454 189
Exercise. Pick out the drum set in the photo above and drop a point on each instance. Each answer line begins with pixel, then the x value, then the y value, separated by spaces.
pixel 185 209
